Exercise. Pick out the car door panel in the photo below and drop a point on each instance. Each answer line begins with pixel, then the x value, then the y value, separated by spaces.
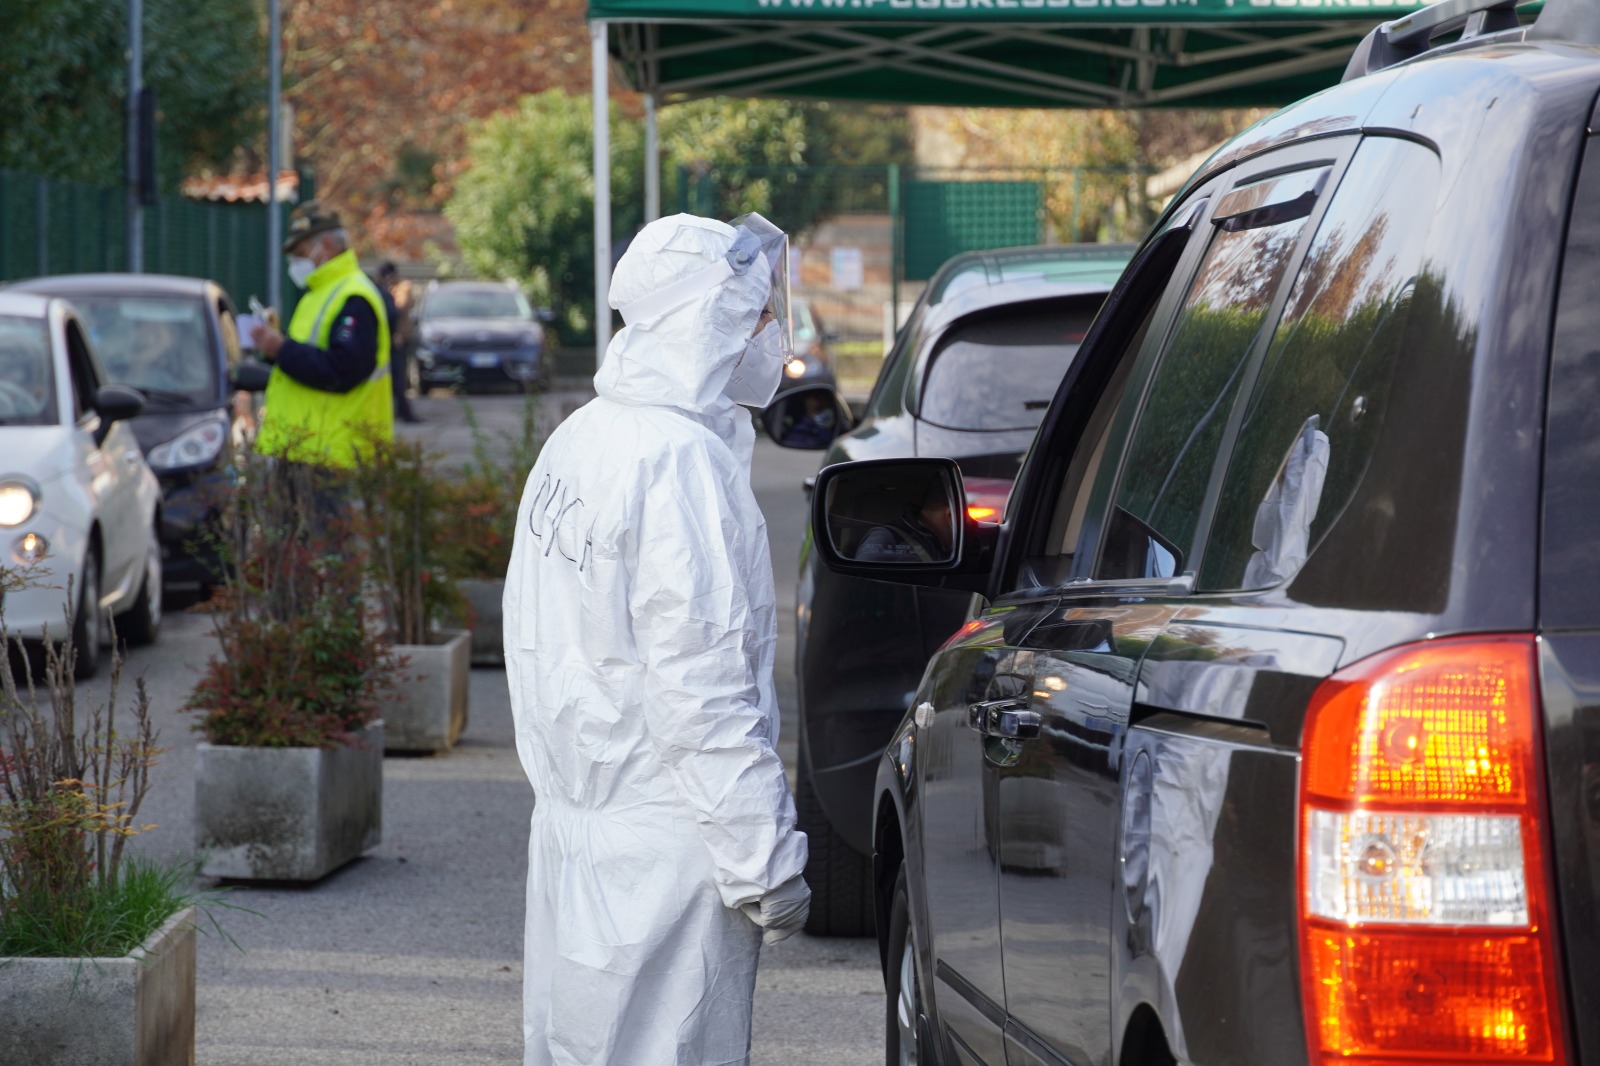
pixel 1207 835
pixel 1058 806
pixel 958 847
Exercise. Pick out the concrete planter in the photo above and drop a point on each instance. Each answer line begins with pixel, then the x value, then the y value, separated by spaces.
pixel 287 814
pixel 137 1010
pixel 483 600
pixel 430 710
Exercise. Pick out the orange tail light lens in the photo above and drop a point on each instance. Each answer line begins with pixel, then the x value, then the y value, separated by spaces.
pixel 1424 889
pixel 986 497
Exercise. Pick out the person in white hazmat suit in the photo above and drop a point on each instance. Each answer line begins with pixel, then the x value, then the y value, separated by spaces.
pixel 639 640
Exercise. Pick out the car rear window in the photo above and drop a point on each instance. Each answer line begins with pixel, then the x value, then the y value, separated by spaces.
pixel 1321 397
pixel 1180 429
pixel 27 382
pixel 1001 372
pixel 477 303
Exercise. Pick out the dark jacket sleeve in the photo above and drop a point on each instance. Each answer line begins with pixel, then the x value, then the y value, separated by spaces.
pixel 349 359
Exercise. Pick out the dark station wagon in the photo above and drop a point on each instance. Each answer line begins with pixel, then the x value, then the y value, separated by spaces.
pixel 1273 736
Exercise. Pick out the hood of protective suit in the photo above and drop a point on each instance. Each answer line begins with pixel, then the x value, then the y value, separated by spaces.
pixel 682 357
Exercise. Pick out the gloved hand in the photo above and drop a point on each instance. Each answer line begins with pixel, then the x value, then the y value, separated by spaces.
pixel 781 912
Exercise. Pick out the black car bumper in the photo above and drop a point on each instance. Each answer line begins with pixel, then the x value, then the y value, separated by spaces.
pixel 192 528
pixel 479 369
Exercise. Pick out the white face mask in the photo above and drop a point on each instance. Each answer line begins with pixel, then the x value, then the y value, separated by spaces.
pixel 300 269
pixel 756 378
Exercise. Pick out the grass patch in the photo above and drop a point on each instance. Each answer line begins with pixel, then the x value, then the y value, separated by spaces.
pixel 103 922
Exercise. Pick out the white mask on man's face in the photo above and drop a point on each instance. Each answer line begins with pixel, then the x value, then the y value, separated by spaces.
pixel 756 378
pixel 301 268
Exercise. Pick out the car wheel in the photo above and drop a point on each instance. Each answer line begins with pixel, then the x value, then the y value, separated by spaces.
pixel 87 625
pixel 840 876
pixel 905 1032
pixel 142 622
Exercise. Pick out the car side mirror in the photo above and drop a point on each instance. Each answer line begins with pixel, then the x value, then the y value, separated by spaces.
pixel 901 520
pixel 809 418
pixel 118 403
pixel 250 376
pixel 546 315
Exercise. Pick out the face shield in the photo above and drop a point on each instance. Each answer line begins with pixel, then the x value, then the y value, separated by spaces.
pixel 758 246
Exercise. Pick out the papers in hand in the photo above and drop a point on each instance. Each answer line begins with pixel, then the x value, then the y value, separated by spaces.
pixel 248 324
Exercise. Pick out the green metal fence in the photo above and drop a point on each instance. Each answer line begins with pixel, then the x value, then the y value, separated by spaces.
pixel 58 227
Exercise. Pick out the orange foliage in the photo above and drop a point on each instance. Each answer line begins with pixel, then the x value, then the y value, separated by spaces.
pixel 376 82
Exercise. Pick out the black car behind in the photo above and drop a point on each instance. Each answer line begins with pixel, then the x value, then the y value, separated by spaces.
pixel 969 377
pixel 173 339
pixel 478 335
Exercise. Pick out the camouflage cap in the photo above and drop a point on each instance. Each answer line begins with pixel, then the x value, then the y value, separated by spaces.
pixel 308 220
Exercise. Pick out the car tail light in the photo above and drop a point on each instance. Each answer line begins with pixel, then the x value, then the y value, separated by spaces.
pixel 986 498
pixel 1425 899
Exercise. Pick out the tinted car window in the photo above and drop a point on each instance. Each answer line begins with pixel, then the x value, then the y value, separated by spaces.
pixel 1569 594
pixel 1320 399
pixel 27 381
pixel 477 303
pixel 158 345
pixel 1169 463
pixel 1001 373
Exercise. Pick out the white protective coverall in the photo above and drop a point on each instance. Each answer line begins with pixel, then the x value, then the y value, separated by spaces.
pixel 639 641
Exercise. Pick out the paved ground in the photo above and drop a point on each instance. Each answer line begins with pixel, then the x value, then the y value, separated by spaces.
pixel 411 956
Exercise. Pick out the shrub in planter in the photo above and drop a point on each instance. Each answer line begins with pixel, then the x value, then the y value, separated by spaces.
pixel 295 688
pixel 403 507
pixel 96 948
pixel 480 524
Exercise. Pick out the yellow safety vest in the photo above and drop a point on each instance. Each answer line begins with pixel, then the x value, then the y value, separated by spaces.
pixel 329 428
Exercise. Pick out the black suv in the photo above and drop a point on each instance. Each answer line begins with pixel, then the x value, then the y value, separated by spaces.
pixel 969 377
pixel 1275 734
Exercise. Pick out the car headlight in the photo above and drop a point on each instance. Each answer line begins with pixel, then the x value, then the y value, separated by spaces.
pixel 30 549
pixel 531 337
pixel 19 498
pixel 199 445
pixel 795 367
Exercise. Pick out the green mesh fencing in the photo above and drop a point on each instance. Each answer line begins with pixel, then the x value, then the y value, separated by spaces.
pixel 946 218
pixel 57 227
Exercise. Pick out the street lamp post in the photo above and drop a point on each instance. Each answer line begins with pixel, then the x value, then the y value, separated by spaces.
pixel 274 117
pixel 135 92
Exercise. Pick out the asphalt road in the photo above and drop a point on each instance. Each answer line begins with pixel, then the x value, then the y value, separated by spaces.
pixel 411 956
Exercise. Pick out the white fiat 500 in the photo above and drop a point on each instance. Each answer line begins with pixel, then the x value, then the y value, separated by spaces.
pixel 78 504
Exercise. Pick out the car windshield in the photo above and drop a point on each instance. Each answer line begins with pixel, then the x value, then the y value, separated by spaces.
pixel 1001 373
pixel 27 380
pixel 157 344
pixel 477 303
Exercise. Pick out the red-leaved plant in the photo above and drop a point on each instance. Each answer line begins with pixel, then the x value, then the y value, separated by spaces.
pixel 298 665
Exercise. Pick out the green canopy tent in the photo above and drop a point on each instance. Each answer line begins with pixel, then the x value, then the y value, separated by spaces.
pixel 969 53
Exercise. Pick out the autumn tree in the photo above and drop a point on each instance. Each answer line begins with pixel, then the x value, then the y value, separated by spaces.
pixel 384 91
pixel 524 206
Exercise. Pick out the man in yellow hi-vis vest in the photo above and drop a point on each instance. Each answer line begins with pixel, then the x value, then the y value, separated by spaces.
pixel 328 399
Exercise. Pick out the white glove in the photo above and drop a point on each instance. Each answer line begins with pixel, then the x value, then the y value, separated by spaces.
pixel 781 912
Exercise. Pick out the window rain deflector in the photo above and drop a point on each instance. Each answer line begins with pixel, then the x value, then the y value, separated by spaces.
pixel 1271 202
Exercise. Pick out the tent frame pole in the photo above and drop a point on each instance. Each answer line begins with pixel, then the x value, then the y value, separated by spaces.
pixel 600 58
pixel 652 159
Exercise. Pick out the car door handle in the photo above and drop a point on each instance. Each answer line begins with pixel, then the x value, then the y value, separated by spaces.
pixel 1008 718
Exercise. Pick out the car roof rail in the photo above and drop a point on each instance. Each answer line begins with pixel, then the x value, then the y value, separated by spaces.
pixel 1412 36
